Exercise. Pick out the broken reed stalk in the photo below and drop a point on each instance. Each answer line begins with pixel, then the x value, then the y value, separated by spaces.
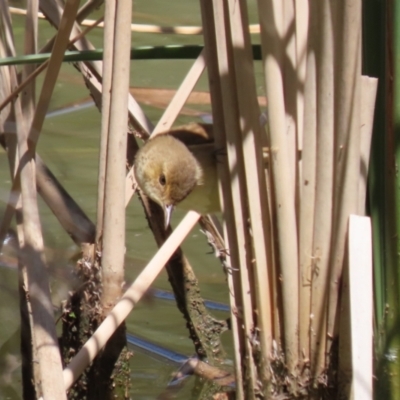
pixel 253 179
pixel 108 45
pixel 113 253
pixel 347 142
pixel 128 301
pixel 272 47
pixel 307 196
pixel 323 182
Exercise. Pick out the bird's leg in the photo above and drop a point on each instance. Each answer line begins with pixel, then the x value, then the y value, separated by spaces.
pixel 219 153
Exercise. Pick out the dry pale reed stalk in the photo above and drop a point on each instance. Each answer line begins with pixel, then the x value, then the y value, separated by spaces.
pixel 108 45
pixel 222 105
pixel 113 253
pixel 302 27
pixel 361 292
pixel 272 41
pixel 30 373
pixel 251 143
pixel 45 339
pixel 143 28
pixel 307 200
pixel 324 181
pixel 44 336
pixel 347 142
pixel 290 88
pixel 181 95
pixel 31 31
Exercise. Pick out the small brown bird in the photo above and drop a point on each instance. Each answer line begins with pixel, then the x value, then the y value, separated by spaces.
pixel 171 173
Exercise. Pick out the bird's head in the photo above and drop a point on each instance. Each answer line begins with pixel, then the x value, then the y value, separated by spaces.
pixel 167 172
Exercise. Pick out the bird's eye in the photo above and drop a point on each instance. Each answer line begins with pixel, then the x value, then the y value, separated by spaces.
pixel 162 180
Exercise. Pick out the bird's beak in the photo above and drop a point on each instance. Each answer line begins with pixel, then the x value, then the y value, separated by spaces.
pixel 167 214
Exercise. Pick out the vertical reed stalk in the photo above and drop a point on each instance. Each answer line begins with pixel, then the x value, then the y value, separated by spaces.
pixel 301 10
pixel 114 204
pixel 108 40
pixel 44 336
pixel 114 381
pixel 253 178
pixel 271 39
pixel 222 106
pixel 29 370
pixel 31 32
pixel 290 88
pixel 307 188
pixel 347 141
pixel 324 182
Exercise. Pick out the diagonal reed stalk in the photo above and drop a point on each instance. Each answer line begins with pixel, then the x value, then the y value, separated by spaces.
pixel 128 301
